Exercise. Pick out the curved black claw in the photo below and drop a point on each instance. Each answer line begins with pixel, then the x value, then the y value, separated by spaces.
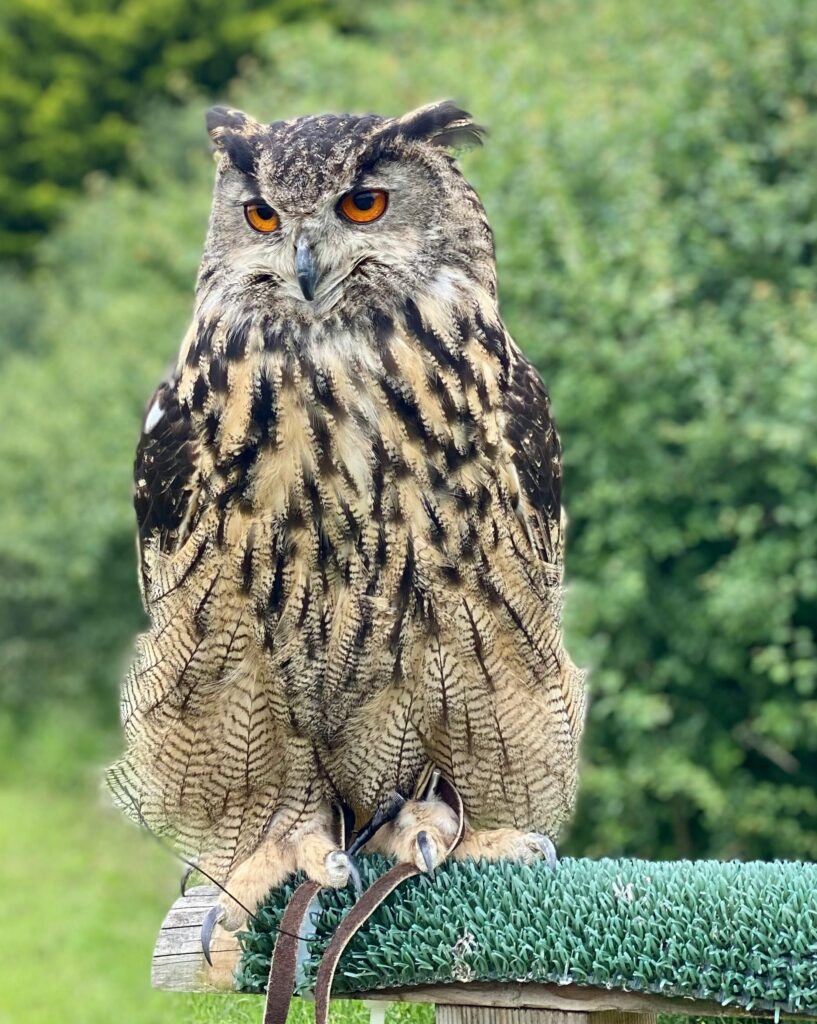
pixel 381 816
pixel 424 846
pixel 549 850
pixel 212 918
pixel 354 876
pixel 188 871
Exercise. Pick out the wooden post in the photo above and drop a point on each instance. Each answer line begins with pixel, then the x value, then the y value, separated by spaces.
pixel 447 1014
pixel 178 962
pixel 377 1011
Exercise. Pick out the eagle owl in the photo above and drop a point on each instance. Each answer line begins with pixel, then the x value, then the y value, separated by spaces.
pixel 349 524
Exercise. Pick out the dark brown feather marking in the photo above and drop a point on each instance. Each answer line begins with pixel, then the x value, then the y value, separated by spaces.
pixel 535 443
pixel 164 475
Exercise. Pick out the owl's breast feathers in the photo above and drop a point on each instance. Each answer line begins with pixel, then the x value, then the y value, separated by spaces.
pixel 337 521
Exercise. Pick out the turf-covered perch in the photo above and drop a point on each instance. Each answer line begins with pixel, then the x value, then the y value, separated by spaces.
pixel 741 935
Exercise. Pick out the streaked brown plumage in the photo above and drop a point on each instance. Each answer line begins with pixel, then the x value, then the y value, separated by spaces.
pixel 349 519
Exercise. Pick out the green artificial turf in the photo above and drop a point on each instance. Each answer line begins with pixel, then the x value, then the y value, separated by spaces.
pixel 744 935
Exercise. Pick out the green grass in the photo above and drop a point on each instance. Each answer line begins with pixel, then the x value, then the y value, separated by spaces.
pixel 83 896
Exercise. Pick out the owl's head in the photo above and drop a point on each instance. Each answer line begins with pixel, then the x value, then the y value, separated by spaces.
pixel 340 214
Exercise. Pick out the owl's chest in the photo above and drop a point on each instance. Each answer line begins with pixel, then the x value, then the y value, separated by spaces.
pixel 350 492
pixel 350 499
pixel 324 452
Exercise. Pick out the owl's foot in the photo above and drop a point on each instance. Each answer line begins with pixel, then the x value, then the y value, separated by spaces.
pixel 506 844
pixel 321 861
pixel 420 834
pixel 312 848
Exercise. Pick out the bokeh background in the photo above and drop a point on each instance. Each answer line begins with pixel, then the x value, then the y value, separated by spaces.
pixel 651 174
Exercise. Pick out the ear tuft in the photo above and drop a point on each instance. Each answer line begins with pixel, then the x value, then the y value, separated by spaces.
pixel 442 124
pixel 222 119
pixel 236 134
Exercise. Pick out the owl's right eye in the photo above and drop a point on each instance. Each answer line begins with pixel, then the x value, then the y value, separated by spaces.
pixel 261 217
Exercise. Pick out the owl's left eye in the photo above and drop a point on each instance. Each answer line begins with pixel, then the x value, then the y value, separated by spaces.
pixel 365 206
pixel 261 217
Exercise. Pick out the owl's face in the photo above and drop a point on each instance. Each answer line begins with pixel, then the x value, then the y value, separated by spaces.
pixel 339 215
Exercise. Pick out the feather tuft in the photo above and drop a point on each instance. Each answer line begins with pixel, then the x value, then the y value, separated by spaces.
pixel 236 134
pixel 441 124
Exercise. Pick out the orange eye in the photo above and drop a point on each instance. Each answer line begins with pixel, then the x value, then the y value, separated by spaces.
pixel 261 217
pixel 364 207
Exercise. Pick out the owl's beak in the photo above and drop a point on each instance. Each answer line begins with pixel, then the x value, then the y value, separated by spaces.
pixel 305 268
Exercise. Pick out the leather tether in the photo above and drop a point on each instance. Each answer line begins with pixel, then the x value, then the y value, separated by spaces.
pixel 284 962
pixel 437 785
pixel 283 966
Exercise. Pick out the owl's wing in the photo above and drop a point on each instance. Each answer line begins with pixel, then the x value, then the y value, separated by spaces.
pixel 537 457
pixel 165 479
pixel 189 771
pixel 511 700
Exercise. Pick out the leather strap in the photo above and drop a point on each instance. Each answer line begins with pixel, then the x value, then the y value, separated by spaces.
pixel 360 913
pixel 449 793
pixel 281 983
pixel 433 785
pixel 284 963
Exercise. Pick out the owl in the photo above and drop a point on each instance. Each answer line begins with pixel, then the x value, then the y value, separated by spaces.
pixel 350 535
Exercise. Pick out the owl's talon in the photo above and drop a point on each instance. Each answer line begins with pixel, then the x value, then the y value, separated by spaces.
pixel 546 847
pixel 215 915
pixel 188 871
pixel 428 850
pixel 354 877
pixel 382 816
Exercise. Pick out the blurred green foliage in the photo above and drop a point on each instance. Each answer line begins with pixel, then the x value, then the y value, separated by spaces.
pixel 75 73
pixel 650 176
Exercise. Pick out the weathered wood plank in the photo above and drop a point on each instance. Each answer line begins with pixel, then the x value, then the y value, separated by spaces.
pixel 569 998
pixel 458 1014
pixel 179 966
pixel 178 962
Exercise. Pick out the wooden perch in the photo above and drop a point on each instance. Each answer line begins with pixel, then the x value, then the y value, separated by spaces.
pixel 179 966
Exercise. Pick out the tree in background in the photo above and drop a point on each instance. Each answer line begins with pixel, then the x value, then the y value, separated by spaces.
pixel 74 75
pixel 694 498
